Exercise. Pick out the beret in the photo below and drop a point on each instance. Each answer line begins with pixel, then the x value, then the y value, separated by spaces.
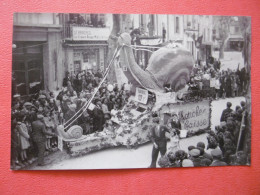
pixel 216 152
pixel 187 163
pixel 42 97
pixel 194 152
pixel 28 104
pixel 40 116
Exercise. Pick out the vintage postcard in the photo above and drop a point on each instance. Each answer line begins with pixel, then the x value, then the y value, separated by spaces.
pixel 118 91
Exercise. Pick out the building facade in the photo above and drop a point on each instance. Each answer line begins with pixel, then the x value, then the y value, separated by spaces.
pixel 37 60
pixel 85 41
pixel 158 30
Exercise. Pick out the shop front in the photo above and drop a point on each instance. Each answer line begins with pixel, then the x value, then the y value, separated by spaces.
pixel 37 58
pixel 87 49
pixel 27 67
pixel 87 55
pixel 206 50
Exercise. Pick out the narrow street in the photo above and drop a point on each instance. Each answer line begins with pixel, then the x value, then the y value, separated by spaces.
pixel 121 157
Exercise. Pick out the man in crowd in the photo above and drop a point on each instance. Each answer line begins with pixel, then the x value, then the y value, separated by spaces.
pixel 217 158
pixel 226 112
pixel 159 140
pixel 39 137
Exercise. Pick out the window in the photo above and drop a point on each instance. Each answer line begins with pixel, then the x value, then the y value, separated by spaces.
pixel 236 29
pixel 177 25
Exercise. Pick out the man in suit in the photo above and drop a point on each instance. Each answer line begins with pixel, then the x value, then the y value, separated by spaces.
pixel 159 141
pixel 225 114
pixel 39 137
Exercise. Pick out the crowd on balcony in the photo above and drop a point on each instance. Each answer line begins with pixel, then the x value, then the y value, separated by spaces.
pixel 93 21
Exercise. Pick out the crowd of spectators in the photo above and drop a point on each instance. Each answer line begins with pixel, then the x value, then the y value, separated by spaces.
pixel 209 81
pixel 59 109
pixel 79 88
pixel 226 145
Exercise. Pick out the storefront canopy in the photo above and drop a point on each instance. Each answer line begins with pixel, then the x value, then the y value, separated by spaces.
pixel 235 38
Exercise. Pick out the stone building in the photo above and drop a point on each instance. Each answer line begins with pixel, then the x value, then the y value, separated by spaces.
pixel 37 60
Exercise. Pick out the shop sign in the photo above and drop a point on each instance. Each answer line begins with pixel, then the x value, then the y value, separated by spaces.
pixel 141 95
pixel 87 33
pixel 151 41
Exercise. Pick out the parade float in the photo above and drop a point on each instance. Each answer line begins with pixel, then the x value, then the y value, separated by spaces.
pixel 169 66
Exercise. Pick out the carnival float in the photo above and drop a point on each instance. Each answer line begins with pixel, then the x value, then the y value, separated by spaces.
pixel 169 66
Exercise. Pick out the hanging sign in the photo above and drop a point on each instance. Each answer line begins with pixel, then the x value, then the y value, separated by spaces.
pixel 85 33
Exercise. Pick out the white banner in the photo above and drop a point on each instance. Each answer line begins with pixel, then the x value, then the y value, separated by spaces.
pixel 141 95
pixel 87 33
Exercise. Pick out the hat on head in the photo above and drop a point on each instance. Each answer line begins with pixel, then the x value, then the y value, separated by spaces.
pixel 191 148
pixel 40 116
pixel 17 95
pixel 201 145
pixel 28 104
pixel 242 103
pixel 42 97
pixel 187 163
pixel 216 152
pixel 194 152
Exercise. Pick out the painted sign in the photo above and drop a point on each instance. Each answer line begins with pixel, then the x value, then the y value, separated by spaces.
pixel 193 116
pixel 86 33
pixel 141 95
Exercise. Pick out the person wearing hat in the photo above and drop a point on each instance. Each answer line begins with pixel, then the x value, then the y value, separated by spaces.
pixel 98 116
pixel 225 114
pixel 159 140
pixel 194 156
pixel 39 137
pixel 217 158
pixel 201 146
pixel 187 163
pixel 175 123
pixel 243 105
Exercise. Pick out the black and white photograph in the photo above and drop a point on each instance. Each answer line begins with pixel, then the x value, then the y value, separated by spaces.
pixel 126 91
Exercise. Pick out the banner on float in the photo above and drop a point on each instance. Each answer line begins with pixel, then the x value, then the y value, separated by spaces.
pixel 60 143
pixel 141 95
pixel 193 116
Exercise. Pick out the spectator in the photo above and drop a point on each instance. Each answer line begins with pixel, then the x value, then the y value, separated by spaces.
pixel 226 112
pixel 217 158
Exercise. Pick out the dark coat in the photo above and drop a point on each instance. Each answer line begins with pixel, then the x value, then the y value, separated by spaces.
pixel 225 114
pixel 39 131
pixel 160 136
